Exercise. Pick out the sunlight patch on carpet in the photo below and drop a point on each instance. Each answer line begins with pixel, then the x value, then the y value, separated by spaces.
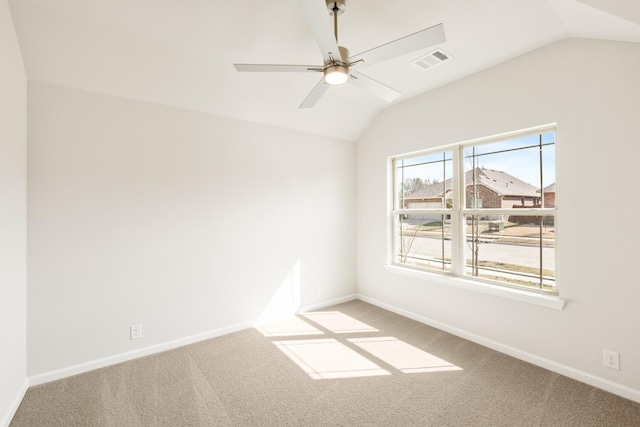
pixel 402 356
pixel 329 359
pixel 338 322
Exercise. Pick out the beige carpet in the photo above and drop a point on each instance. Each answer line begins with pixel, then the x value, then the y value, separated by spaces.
pixel 351 365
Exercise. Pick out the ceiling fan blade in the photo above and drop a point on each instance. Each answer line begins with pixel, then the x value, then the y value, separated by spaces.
pixel 314 95
pixel 279 68
pixel 374 87
pixel 315 11
pixel 416 41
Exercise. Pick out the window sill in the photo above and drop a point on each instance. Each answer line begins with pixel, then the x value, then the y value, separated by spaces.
pixel 549 301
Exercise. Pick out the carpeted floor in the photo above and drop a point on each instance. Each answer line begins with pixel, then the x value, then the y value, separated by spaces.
pixel 349 365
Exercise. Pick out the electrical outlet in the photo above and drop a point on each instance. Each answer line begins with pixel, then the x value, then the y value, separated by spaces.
pixel 611 359
pixel 135 332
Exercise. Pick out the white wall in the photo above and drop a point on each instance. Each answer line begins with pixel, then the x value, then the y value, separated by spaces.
pixel 592 90
pixel 13 196
pixel 180 221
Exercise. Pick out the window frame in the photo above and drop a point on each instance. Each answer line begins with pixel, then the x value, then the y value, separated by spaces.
pixel 458 213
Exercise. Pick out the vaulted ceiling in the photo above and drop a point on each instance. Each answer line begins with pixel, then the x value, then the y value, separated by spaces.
pixel 180 52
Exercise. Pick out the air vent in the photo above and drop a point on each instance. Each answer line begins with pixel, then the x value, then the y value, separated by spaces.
pixel 432 59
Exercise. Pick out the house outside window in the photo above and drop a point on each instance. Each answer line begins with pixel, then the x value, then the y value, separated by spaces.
pixel 484 210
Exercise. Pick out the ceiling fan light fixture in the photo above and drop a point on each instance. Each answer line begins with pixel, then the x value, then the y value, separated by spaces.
pixel 336 75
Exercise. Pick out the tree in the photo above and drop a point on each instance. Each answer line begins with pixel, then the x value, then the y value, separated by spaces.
pixel 411 185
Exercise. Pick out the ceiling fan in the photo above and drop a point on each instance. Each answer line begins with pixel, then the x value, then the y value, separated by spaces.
pixel 337 68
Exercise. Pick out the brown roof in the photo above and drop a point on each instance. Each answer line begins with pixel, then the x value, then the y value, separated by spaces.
pixel 503 183
pixel 551 188
pixel 500 182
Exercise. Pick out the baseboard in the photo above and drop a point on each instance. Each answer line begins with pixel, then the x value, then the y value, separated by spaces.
pixel 16 404
pixel 585 377
pixel 124 357
pixel 328 303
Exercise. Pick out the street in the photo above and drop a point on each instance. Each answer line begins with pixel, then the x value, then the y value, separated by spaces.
pixel 524 254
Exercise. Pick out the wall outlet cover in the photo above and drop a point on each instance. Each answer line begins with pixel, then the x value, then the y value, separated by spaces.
pixel 611 359
pixel 135 332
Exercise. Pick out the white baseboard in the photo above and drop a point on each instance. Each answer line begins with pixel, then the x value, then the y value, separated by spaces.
pixel 585 377
pixel 328 303
pixel 14 408
pixel 124 357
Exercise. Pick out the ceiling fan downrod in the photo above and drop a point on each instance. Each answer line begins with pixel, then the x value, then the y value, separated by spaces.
pixel 336 8
pixel 335 20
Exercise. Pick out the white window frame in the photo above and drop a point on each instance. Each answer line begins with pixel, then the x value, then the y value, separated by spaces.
pixel 457 277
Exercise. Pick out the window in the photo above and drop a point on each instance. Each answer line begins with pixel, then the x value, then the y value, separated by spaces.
pixel 484 210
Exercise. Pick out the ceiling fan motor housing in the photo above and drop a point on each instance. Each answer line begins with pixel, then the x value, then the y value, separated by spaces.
pixel 344 53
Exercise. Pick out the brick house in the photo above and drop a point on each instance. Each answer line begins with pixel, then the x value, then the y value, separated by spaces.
pixel 549 195
pixel 494 189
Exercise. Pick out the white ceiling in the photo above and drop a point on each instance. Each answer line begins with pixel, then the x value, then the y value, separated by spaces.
pixel 180 52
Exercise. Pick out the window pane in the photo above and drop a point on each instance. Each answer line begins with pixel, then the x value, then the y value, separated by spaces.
pixel 549 174
pixel 507 174
pixel 423 240
pixel 424 181
pixel 513 249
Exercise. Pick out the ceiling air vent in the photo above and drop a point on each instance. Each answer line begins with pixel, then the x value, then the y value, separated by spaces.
pixel 431 59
